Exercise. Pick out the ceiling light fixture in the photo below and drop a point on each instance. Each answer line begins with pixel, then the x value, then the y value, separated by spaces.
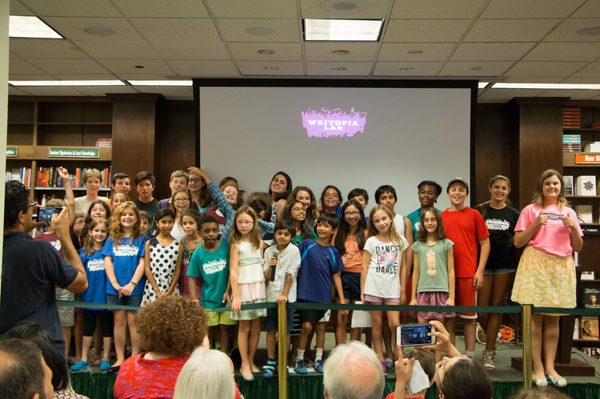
pixel 591 31
pixel 341 30
pixel 415 51
pixel 340 52
pixel 344 5
pixel 482 85
pixel 339 69
pixel 36 83
pixel 30 27
pixel 405 69
pixel 160 82
pixel 547 86
pixel 265 51
pixel 271 68
pixel 139 66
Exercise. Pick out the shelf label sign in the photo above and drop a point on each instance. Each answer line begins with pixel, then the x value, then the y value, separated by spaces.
pixel 12 152
pixel 90 153
pixel 587 159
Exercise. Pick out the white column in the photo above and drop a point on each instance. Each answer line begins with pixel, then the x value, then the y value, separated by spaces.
pixel 4 12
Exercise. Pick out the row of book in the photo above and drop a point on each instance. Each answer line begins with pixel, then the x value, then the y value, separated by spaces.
pixel 48 177
pixel 584 186
pixel 571 118
pixel 104 142
pixel 22 174
pixel 571 142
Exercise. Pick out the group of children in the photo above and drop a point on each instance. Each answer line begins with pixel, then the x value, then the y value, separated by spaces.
pixel 296 254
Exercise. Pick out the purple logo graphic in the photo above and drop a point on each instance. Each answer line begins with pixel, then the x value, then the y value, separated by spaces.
pixel 333 122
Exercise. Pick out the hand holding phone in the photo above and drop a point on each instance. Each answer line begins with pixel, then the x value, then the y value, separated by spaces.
pixel 415 335
pixel 45 214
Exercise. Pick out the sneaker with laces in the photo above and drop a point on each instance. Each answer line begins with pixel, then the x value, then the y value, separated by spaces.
pixel 319 366
pixel 80 366
pixel 488 360
pixel 299 367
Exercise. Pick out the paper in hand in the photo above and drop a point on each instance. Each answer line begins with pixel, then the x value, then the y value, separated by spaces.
pixel 419 380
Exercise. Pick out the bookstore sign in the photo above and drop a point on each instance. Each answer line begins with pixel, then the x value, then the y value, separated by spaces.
pixel 587 159
pixel 12 152
pixel 86 153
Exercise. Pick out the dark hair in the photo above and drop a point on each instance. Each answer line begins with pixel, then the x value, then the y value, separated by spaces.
pixel 386 188
pixel 344 228
pixel 285 225
pixel 304 225
pixel 22 374
pixel 88 217
pixel 426 360
pixel 260 205
pixel 206 219
pixel 358 192
pixel 41 338
pixel 440 234
pixel 193 213
pixel 288 187
pixel 164 212
pixel 118 175
pixel 485 206
pixel 327 187
pixel 324 218
pixel 144 175
pixel 311 211
pixel 16 200
pixel 437 187
pixel 466 379
pixel 227 179
pixel 192 203
pixel 145 215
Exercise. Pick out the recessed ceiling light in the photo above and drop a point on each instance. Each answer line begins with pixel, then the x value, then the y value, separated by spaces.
pixel 139 66
pixel 265 51
pixel 415 51
pixel 340 52
pixel 356 30
pixel 30 27
pixel 99 31
pixel 260 31
pixel 482 85
pixel 547 86
pixel 160 82
pixel 66 83
pixel 476 68
pixel 406 69
pixel 271 68
pixel 339 69
pixel 591 31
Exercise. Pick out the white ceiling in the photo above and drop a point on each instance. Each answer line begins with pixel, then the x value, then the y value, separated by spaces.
pixel 489 40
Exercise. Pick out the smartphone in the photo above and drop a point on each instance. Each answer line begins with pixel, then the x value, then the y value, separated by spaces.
pixel 45 214
pixel 415 335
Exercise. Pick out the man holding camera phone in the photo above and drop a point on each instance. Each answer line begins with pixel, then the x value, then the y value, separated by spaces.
pixel 31 268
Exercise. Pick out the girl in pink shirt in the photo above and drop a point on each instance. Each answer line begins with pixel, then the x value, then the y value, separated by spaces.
pixel 546 273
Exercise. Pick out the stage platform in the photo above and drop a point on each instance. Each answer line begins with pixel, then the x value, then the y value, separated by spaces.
pixel 506 380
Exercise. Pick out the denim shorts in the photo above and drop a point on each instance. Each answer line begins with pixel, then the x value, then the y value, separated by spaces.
pixel 124 300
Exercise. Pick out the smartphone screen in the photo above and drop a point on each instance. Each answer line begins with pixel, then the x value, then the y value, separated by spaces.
pixel 45 214
pixel 414 335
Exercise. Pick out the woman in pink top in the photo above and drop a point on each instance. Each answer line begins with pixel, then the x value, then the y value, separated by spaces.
pixel 546 273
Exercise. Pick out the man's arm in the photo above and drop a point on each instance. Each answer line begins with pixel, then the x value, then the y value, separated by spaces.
pixel 60 224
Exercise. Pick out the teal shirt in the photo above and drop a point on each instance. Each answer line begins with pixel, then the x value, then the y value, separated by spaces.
pixel 415 221
pixel 213 268
pixel 433 265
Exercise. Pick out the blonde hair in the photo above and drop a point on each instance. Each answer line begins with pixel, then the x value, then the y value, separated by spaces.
pixel 116 230
pixel 394 236
pixel 91 173
pixel 207 374
pixel 236 237
pixel 538 196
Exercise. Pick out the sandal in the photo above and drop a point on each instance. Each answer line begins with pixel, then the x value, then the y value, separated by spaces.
pixel 269 368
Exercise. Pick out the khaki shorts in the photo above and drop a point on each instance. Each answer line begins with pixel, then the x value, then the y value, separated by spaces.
pixel 219 318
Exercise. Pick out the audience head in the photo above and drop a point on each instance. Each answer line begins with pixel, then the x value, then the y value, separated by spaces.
pixel 359 194
pixel 540 393
pixel 280 186
pixel 331 196
pixel 118 197
pixel 353 371
pixel 207 374
pixel 262 203
pixel 17 205
pixel 462 377
pixel 426 359
pixel 178 179
pixel 429 191
pixel 538 196
pixel 144 221
pixel 23 371
pixel 144 185
pixel 120 182
pixel 172 325
pixel 92 178
pixel 53 357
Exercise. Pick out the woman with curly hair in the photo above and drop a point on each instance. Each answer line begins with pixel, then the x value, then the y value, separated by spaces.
pixel 170 328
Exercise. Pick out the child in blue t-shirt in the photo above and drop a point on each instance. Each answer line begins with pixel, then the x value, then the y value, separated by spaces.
pixel 282 262
pixel 321 265
pixel 210 263
pixel 124 266
pixel 93 261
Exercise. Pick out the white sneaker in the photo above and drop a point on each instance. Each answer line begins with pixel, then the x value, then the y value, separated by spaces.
pixel 488 361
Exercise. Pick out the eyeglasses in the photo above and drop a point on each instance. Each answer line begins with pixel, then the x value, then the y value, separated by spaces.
pixel 32 204
pixel 331 195
pixel 298 210
pixel 441 365
pixel 352 213
pixel 197 180
pixel 181 200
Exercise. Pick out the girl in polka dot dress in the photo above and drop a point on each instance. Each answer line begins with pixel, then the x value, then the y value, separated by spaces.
pixel 163 259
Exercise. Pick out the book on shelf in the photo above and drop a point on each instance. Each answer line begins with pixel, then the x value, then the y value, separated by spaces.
pixel 571 118
pixel 584 214
pixel 589 328
pixel 593 147
pixel 48 177
pixel 585 186
pixel 587 275
pixel 576 328
pixel 568 185
pixel 593 352
pixel 104 142
pixel 571 142
pixel 591 297
pixel 22 174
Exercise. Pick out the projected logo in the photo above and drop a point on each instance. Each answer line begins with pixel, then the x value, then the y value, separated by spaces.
pixel 333 122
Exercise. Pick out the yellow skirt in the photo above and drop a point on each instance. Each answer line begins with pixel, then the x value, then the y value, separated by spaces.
pixel 545 280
